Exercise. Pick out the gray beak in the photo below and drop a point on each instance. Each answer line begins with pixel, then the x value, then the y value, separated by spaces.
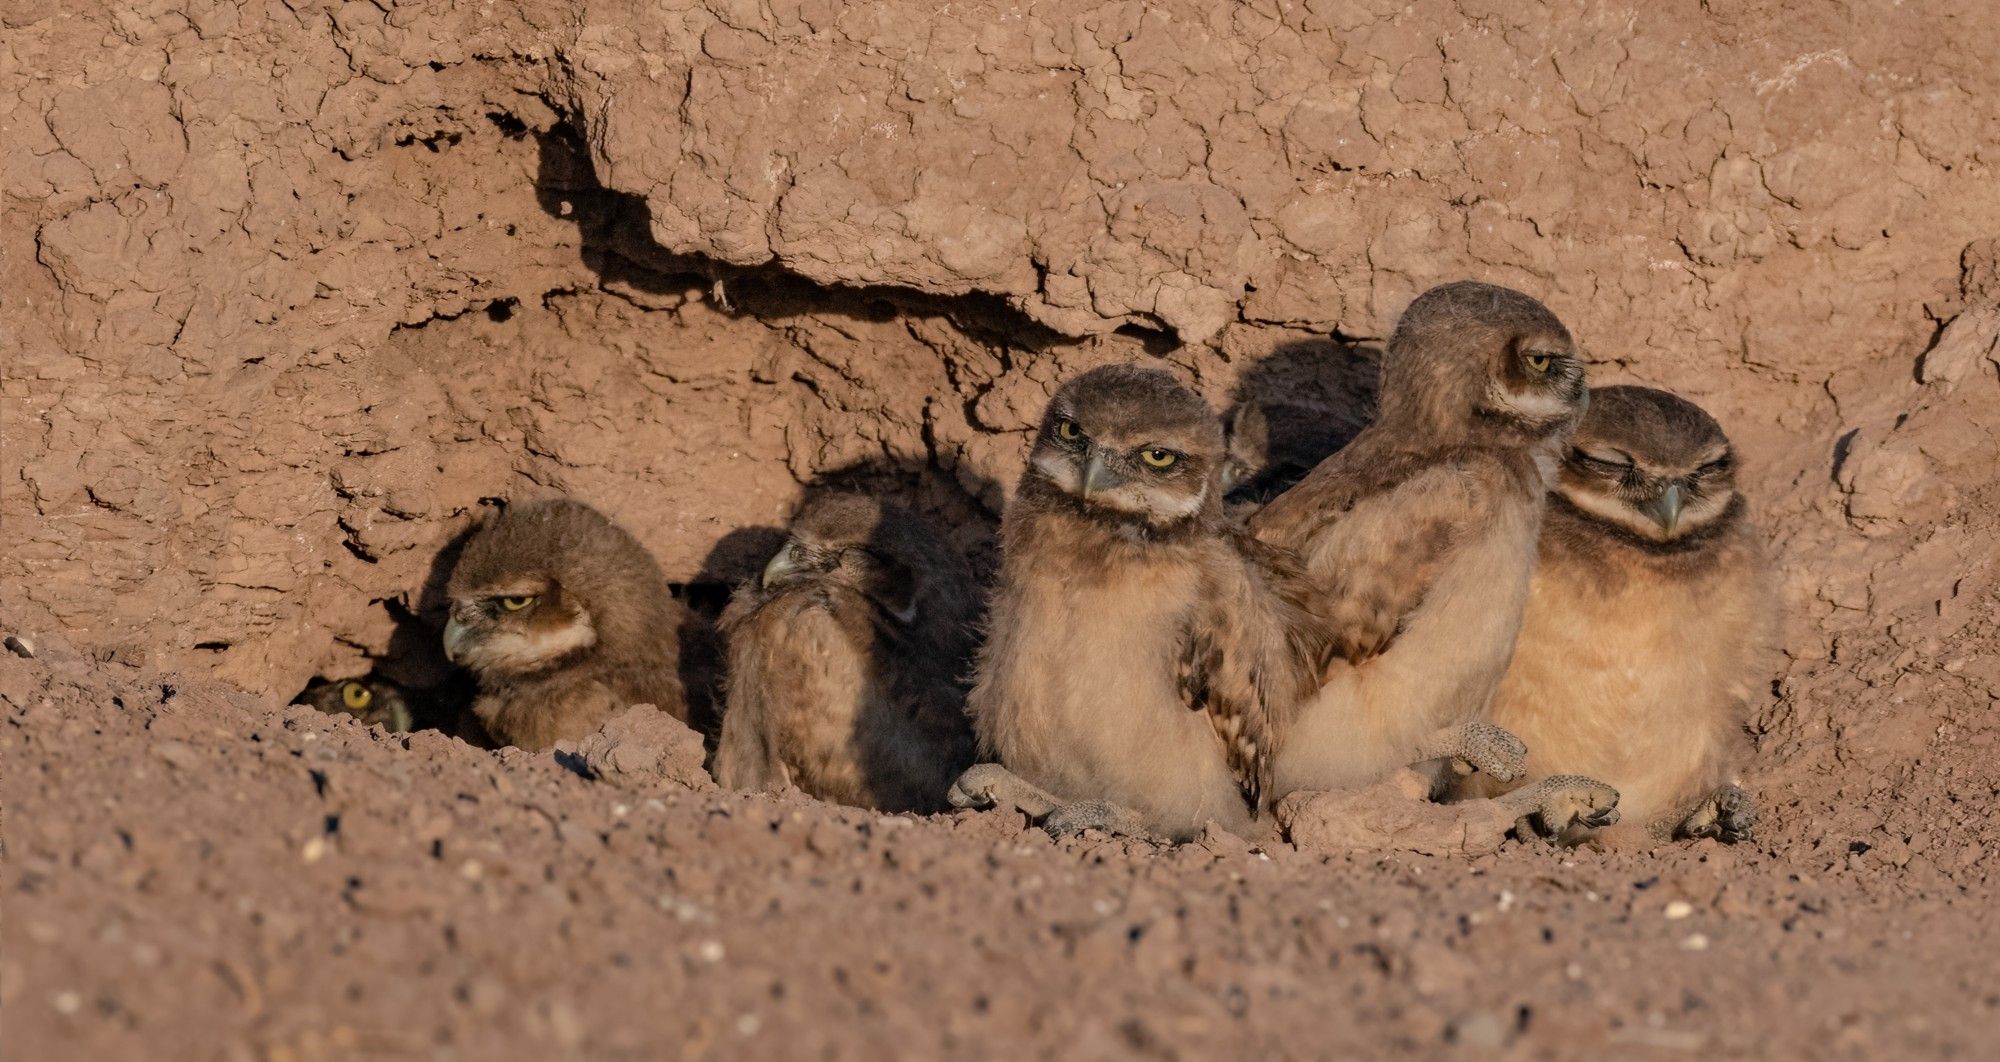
pixel 1096 477
pixel 781 567
pixel 455 637
pixel 1666 509
pixel 790 560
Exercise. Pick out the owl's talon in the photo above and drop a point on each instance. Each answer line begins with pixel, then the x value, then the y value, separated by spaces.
pixel 1554 806
pixel 973 790
pixel 1728 814
pixel 989 785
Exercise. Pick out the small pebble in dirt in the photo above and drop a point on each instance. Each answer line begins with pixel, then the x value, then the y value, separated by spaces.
pixel 177 755
pixel 1481 1029
pixel 67 1002
pixel 709 951
pixel 1678 910
pixel 20 646
pixel 1695 942
pixel 314 850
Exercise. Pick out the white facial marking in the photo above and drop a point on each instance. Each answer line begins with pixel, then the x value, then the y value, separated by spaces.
pixel 1695 515
pixel 1131 498
pixel 1534 405
pixel 1063 473
pixel 509 650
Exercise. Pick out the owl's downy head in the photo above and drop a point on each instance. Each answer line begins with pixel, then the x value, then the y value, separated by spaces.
pixel 1472 356
pixel 1132 444
pixel 374 700
pixel 887 554
pixel 1652 465
pixel 542 584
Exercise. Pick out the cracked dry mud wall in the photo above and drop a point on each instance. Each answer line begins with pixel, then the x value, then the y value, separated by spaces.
pixel 287 290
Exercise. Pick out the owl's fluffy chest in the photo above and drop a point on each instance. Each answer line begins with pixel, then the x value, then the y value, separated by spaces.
pixel 1635 677
pixel 1092 652
pixel 1077 691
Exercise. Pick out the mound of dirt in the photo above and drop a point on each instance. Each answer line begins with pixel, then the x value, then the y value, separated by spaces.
pixel 293 291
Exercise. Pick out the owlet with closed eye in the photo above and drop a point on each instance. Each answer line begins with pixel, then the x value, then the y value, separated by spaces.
pixel 565 620
pixel 847 661
pixel 1650 620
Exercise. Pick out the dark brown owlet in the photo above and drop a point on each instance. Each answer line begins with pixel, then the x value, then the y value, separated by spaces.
pixel 373 699
pixel 848 660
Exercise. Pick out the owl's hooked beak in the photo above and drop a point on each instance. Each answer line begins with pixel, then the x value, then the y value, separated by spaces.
pixel 1096 477
pixel 1666 508
pixel 455 636
pixel 792 559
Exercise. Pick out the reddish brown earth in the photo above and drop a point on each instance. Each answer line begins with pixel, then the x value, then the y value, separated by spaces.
pixel 287 290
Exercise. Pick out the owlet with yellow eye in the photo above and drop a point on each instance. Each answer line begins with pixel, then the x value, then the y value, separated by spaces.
pixel 374 700
pixel 1419 536
pixel 565 620
pixel 1650 622
pixel 1143 659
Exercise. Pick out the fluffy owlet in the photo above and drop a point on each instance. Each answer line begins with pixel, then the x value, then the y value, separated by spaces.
pixel 374 700
pixel 847 661
pixel 1420 535
pixel 565 620
pixel 1650 621
pixel 1142 659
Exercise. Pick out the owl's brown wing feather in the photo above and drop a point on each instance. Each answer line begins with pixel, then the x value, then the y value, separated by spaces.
pixel 1252 652
pixel 1376 529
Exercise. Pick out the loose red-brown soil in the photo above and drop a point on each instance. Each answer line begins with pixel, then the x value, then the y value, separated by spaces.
pixel 287 292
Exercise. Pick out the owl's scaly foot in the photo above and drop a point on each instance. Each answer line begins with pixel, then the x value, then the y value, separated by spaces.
pixel 1093 815
pixel 1728 814
pixel 989 785
pixel 1481 747
pixel 1552 807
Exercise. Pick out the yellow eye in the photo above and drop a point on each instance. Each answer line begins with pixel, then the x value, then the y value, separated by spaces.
pixel 1159 458
pixel 356 696
pixel 1067 430
pixel 1539 364
pixel 516 604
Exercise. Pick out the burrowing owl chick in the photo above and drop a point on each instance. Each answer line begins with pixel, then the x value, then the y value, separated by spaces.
pixel 374 700
pixel 847 661
pixel 1142 659
pixel 565 620
pixel 1421 532
pixel 1650 622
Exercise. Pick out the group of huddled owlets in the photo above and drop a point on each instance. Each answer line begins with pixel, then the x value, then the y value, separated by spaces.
pixel 1531 591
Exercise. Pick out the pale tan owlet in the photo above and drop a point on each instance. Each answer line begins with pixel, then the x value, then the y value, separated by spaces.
pixel 848 660
pixel 1142 658
pixel 1650 620
pixel 565 620
pixel 1420 538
